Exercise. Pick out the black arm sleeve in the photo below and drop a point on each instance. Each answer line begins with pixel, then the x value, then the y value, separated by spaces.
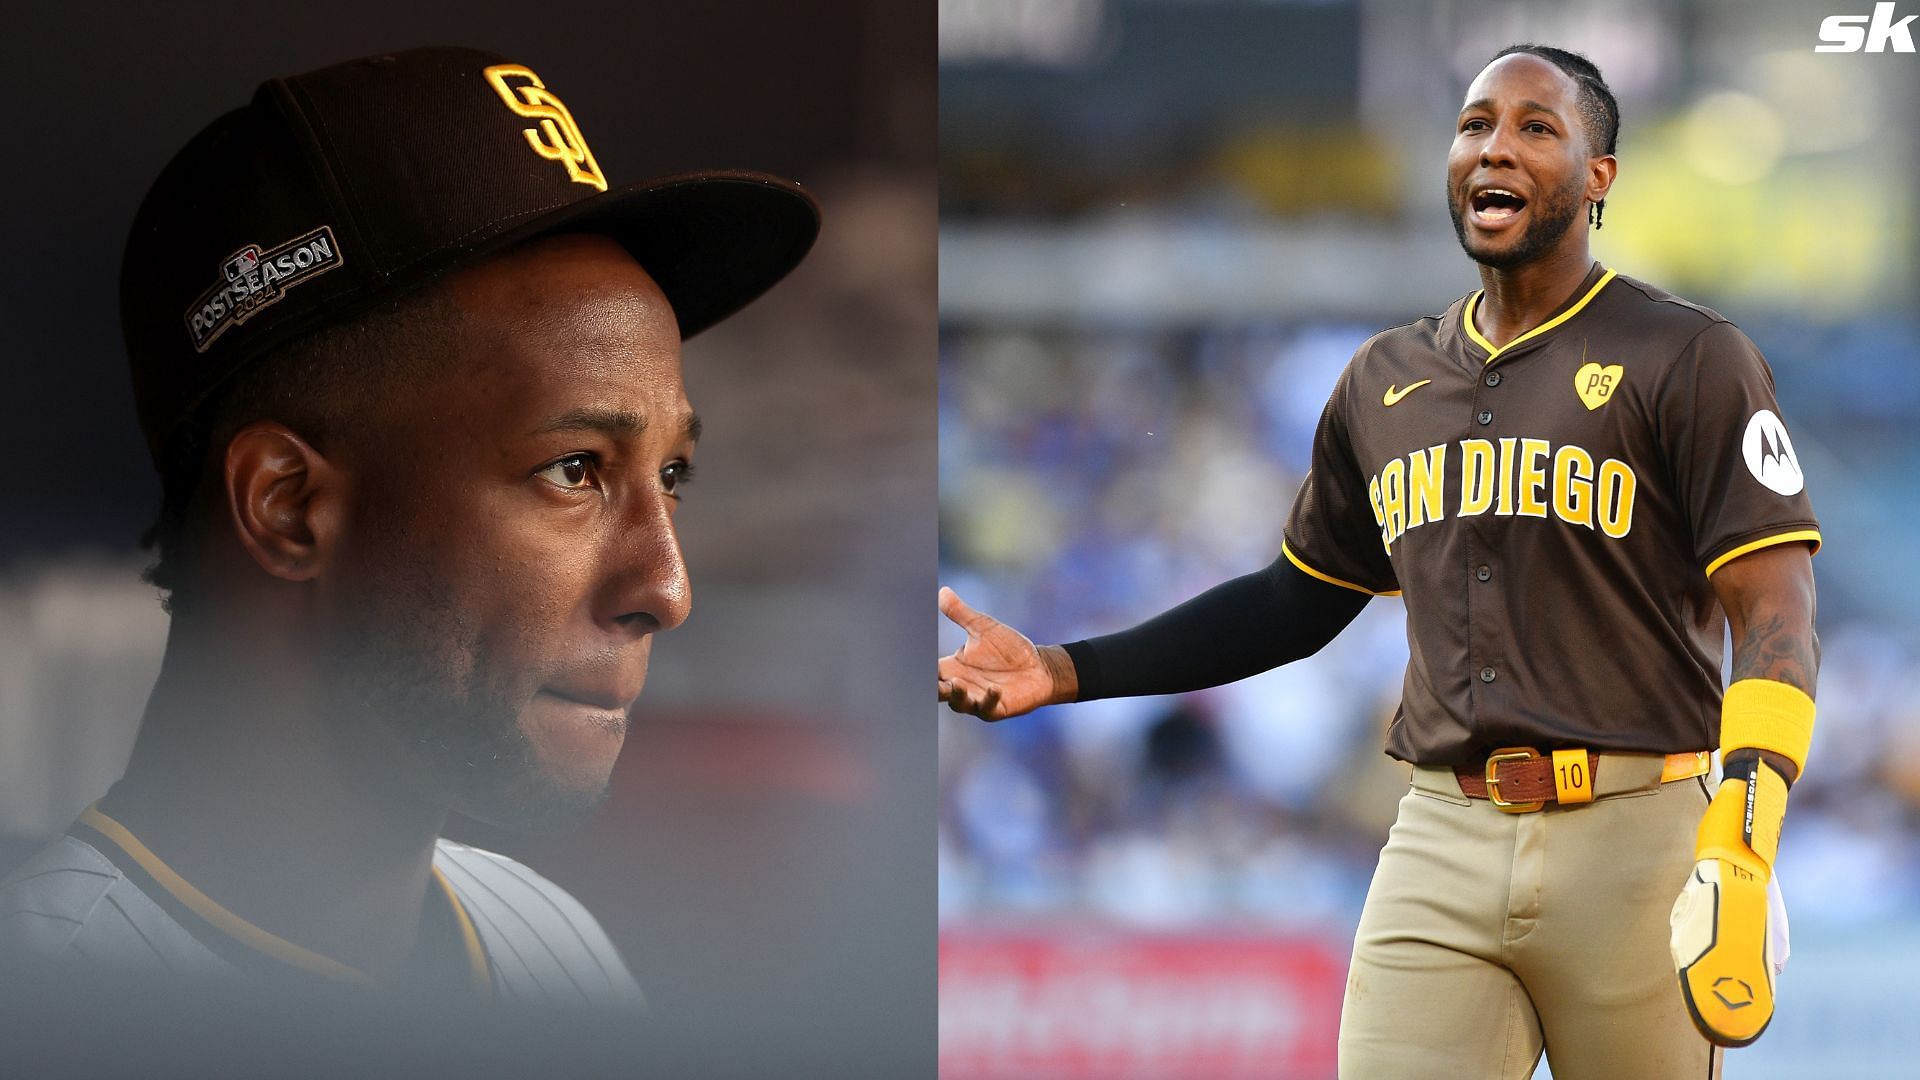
pixel 1242 627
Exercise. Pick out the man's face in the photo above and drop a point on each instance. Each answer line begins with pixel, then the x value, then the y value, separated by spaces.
pixel 511 550
pixel 1518 173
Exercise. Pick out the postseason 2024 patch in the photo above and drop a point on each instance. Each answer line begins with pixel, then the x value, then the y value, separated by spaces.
pixel 255 280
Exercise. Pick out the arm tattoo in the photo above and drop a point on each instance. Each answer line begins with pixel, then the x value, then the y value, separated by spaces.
pixel 1771 649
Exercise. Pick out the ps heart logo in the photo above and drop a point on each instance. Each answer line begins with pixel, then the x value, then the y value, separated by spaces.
pixel 1595 384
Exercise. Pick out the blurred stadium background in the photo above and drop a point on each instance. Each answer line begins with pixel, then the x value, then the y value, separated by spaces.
pixel 763 862
pixel 1165 225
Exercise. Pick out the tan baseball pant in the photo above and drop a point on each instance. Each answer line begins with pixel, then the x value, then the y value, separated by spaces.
pixel 1488 937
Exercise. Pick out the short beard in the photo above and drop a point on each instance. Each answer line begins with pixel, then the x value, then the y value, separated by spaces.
pixel 414 690
pixel 1553 216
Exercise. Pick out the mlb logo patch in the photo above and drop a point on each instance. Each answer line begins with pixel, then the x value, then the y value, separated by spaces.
pixel 242 264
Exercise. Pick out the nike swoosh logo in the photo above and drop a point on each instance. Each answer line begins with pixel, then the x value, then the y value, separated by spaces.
pixel 1393 396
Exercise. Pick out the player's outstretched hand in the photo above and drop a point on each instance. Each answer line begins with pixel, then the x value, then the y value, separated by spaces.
pixel 1000 673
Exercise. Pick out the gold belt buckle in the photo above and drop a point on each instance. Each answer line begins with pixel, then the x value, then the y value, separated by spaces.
pixel 1509 753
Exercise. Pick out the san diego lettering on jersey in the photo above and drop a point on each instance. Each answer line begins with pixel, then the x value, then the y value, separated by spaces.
pixel 1505 477
pixel 256 280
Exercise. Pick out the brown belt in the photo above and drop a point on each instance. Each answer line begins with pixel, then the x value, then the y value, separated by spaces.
pixel 1519 779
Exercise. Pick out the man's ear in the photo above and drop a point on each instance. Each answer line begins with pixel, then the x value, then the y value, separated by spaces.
pixel 287 502
pixel 1600 174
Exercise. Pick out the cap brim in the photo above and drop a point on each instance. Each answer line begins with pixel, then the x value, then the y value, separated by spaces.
pixel 712 241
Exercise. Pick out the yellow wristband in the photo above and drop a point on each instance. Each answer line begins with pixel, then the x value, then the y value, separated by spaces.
pixel 1761 714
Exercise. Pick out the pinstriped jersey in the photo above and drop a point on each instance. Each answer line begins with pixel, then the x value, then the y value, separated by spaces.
pixel 541 944
pixel 1552 511
pixel 96 900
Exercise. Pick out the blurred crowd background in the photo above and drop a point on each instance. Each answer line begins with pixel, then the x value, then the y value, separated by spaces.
pixel 763 862
pixel 1165 226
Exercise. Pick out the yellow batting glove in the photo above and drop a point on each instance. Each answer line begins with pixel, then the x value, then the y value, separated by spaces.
pixel 1721 947
pixel 1720 940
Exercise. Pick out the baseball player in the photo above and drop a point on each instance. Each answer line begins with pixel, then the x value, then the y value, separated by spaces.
pixel 410 370
pixel 1576 481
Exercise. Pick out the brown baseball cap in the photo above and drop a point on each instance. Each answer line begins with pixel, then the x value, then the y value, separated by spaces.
pixel 336 189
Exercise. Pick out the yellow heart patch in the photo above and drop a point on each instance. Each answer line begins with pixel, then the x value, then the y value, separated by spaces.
pixel 1595 384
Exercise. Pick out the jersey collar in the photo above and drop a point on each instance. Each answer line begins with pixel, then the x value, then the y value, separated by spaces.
pixel 204 916
pixel 1474 335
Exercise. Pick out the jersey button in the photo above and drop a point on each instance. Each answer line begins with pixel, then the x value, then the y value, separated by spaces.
pixel 1486 674
pixel 1485 417
pixel 1493 378
pixel 1485 573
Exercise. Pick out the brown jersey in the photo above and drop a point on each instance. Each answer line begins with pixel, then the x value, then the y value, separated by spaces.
pixel 1551 511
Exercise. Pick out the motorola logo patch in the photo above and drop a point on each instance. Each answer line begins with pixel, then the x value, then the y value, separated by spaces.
pixel 1769 454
